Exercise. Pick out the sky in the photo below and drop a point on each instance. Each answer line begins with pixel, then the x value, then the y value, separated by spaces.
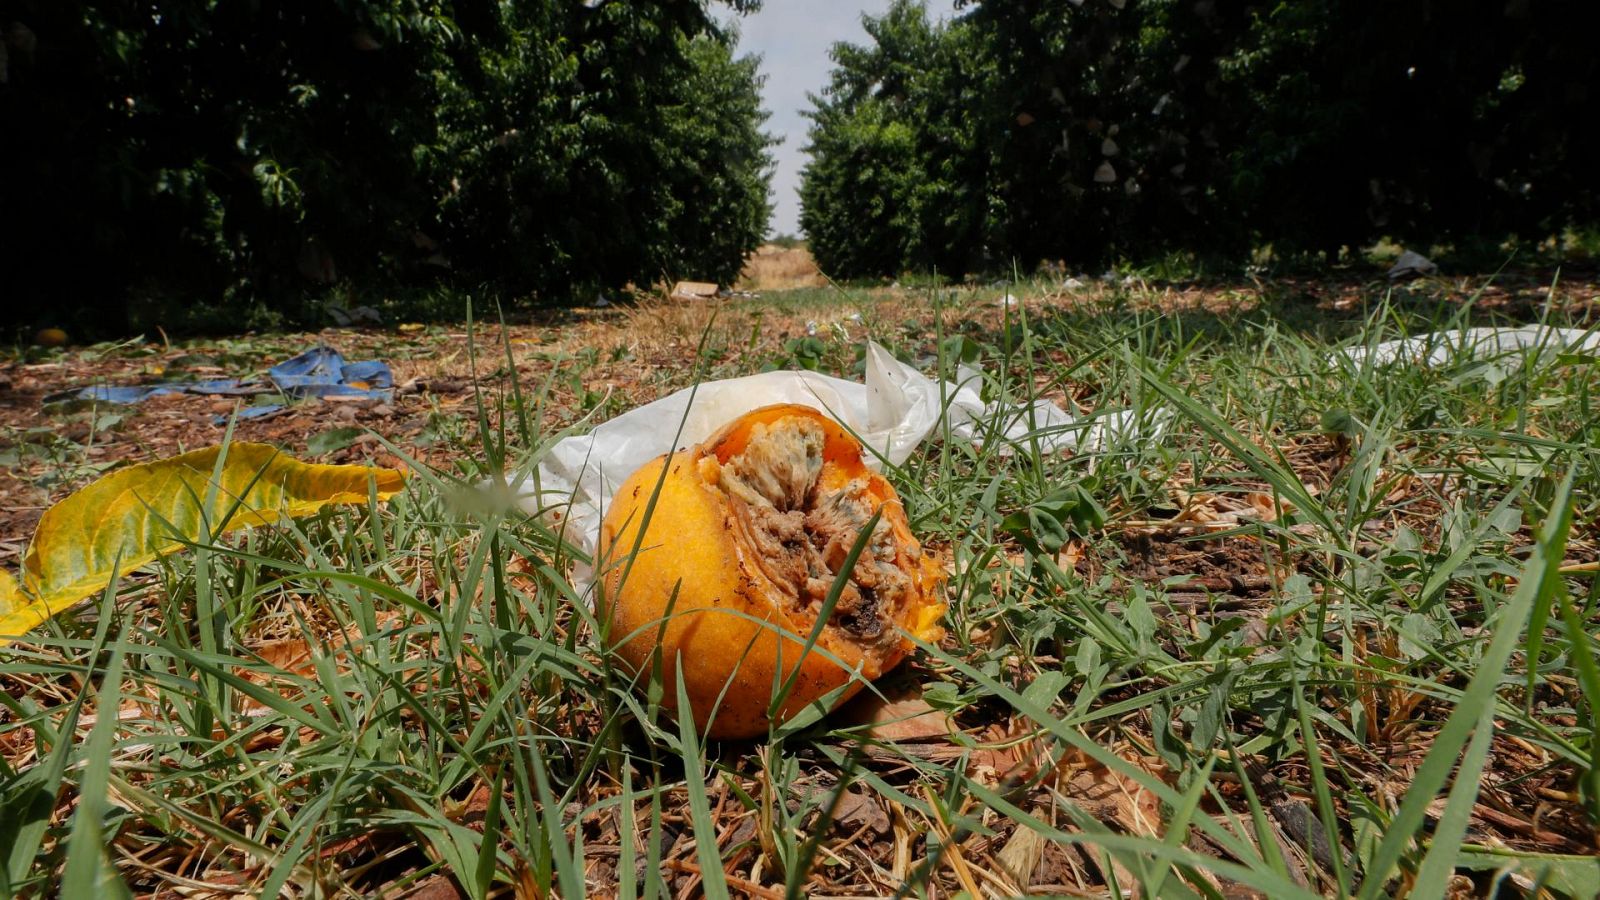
pixel 792 38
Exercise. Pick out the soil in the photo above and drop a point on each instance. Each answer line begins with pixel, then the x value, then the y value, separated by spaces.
pixel 600 362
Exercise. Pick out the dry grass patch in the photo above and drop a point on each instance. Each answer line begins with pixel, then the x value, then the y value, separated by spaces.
pixel 774 268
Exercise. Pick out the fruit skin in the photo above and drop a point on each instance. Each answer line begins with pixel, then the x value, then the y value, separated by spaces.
pixel 50 337
pixel 693 550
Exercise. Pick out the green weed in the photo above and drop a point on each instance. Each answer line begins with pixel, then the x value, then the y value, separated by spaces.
pixel 1303 626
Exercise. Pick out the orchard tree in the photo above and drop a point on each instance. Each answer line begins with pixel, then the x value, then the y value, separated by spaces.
pixel 1097 130
pixel 230 154
pixel 898 177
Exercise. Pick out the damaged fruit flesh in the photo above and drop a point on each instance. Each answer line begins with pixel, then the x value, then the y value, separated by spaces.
pixel 803 530
pixel 746 539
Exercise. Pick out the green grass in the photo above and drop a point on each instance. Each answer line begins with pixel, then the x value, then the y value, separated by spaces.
pixel 1407 671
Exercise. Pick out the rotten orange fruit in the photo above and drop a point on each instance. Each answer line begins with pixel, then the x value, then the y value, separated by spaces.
pixel 726 573
pixel 50 337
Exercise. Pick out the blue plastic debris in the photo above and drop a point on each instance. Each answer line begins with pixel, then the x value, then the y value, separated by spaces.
pixel 252 412
pixel 105 393
pixel 109 394
pixel 318 372
pixel 322 372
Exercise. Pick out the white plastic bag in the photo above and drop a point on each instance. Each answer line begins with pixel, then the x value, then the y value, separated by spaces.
pixel 892 413
pixel 1437 348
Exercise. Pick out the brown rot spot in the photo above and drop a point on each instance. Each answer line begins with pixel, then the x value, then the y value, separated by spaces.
pixel 805 530
pixel 865 621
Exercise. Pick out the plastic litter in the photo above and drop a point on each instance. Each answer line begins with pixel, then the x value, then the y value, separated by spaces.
pixel 252 412
pixel 318 372
pixel 892 413
pixel 694 290
pixel 322 372
pixel 1412 264
pixel 344 316
pixel 1439 347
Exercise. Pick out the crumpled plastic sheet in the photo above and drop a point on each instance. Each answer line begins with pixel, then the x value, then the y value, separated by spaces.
pixel 318 372
pixel 322 372
pixel 1412 264
pixel 892 413
pixel 1439 347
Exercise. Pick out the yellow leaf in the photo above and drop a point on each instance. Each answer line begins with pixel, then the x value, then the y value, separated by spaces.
pixel 10 593
pixel 134 515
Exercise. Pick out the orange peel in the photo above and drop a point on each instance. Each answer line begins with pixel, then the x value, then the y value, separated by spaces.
pixel 746 537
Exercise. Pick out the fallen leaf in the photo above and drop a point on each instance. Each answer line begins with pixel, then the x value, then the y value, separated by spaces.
pixel 990 764
pixel 1266 507
pixel 1111 797
pixel 134 515
pixel 856 809
pixel 1001 754
pixel 900 714
pixel 1019 858
pixel 10 593
pixel 288 655
pixel 1071 553
pixel 471 810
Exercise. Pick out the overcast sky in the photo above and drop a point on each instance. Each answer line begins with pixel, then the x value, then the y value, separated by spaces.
pixel 793 37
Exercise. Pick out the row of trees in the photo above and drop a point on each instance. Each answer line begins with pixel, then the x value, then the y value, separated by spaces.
pixel 1085 130
pixel 232 151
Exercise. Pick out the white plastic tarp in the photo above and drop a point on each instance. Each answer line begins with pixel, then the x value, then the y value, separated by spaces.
pixel 1439 347
pixel 892 413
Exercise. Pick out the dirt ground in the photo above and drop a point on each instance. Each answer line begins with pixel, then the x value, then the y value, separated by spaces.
pixel 589 364
pixel 614 357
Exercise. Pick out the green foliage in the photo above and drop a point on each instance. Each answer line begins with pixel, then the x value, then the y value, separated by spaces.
pixel 865 227
pixel 717 191
pixel 222 153
pixel 897 178
pixel 1046 525
pixel 1033 130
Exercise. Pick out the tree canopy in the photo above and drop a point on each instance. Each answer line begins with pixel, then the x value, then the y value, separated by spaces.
pixel 229 152
pixel 1086 130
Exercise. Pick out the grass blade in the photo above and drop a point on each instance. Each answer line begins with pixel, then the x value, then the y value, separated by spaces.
pixel 713 880
pixel 1538 584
